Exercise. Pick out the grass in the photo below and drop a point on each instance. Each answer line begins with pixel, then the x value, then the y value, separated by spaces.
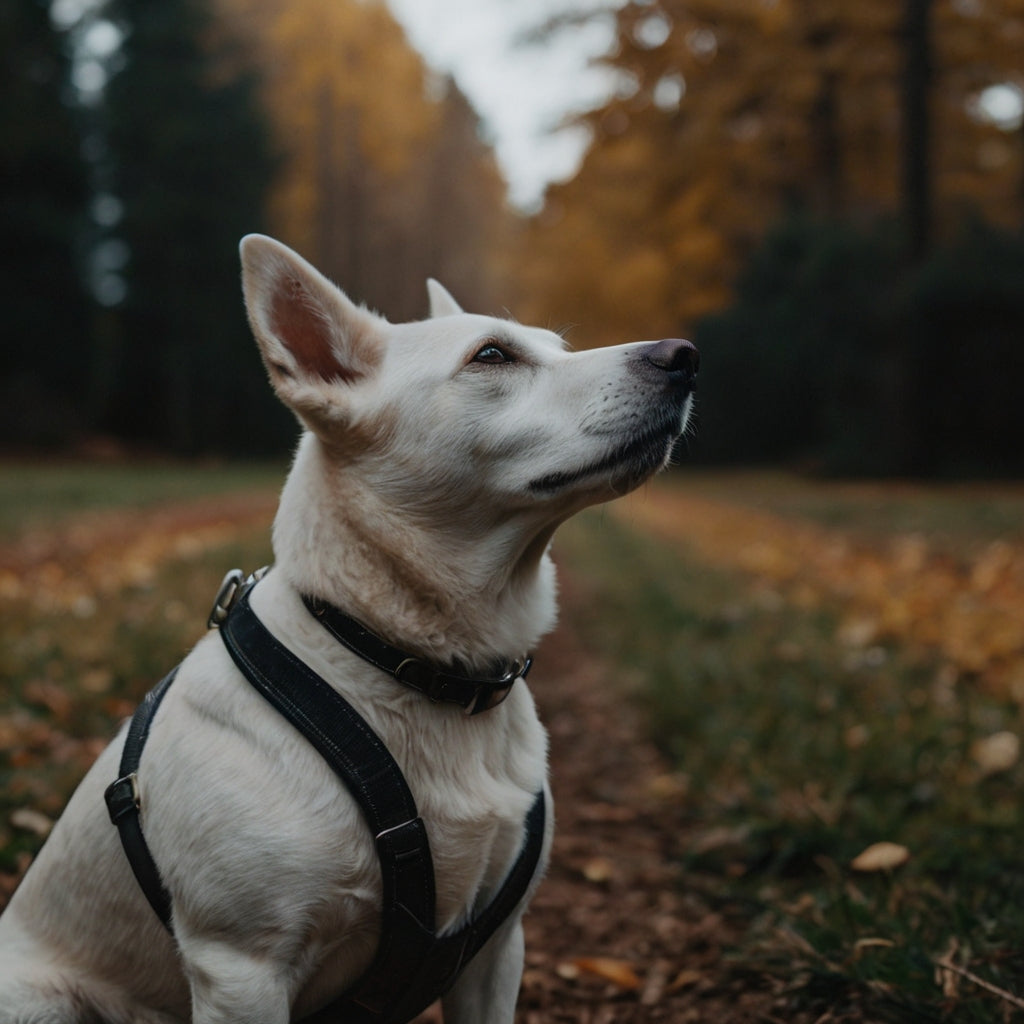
pixel 34 495
pixel 66 678
pixel 950 515
pixel 800 754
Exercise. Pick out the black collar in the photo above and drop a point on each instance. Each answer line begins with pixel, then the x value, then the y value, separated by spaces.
pixel 472 693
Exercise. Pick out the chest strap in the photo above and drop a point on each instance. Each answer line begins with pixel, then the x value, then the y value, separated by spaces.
pixel 124 804
pixel 413 965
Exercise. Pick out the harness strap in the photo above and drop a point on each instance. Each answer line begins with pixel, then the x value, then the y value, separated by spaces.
pixel 413 966
pixel 420 984
pixel 124 803
pixel 354 751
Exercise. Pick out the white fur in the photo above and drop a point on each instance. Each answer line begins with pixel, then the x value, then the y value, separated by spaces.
pixel 421 500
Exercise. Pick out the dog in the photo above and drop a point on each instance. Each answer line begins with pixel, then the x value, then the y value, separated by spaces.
pixel 436 460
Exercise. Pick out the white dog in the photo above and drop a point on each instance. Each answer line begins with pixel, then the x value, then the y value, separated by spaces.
pixel 437 460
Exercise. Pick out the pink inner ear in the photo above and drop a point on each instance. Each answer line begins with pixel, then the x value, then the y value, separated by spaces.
pixel 298 322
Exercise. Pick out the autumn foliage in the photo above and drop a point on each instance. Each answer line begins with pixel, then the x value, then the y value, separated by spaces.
pixel 729 113
pixel 383 178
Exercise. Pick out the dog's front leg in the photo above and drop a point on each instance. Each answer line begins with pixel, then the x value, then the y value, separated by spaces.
pixel 487 989
pixel 230 987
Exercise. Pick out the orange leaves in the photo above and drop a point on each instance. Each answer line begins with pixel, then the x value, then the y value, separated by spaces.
pixel 620 973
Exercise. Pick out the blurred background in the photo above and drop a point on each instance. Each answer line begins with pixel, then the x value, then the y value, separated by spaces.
pixel 819 624
pixel 828 197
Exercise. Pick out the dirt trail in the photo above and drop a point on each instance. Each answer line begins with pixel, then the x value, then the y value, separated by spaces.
pixel 615 934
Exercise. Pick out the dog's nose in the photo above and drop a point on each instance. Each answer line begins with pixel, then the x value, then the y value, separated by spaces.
pixel 675 355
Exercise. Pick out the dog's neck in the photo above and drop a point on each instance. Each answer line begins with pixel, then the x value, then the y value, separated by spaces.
pixel 442 597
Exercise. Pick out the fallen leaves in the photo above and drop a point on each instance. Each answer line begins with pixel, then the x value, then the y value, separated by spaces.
pixel 883 856
pixel 620 973
pixel 598 870
pixel 996 753
pixel 73 568
pixel 32 821
pixel 904 588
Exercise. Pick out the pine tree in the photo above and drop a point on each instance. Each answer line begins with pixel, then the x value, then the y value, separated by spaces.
pixel 190 162
pixel 42 202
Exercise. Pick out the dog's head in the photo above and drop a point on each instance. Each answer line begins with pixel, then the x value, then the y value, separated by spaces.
pixel 463 415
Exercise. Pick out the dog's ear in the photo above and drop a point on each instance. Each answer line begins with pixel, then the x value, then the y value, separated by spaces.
pixel 310 334
pixel 441 301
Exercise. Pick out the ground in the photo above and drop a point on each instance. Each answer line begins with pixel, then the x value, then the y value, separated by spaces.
pixel 615 934
pixel 618 932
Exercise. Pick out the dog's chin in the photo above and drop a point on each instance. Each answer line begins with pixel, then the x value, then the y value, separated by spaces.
pixel 621 470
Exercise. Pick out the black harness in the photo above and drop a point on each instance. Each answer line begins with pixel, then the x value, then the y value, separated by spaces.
pixel 413 965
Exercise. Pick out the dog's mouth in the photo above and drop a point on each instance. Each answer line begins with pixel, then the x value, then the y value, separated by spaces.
pixel 627 465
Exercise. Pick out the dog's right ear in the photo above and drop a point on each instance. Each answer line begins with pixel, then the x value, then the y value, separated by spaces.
pixel 311 335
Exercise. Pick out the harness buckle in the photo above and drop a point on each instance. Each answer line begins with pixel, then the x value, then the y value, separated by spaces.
pixel 123 796
pixel 231 589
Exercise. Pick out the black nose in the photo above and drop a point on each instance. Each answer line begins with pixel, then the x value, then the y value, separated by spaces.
pixel 674 355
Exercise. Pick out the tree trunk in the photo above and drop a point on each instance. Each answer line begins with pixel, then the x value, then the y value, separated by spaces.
pixel 917 73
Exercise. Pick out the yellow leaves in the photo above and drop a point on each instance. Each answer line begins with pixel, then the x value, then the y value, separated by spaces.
pixel 900 589
pixel 74 569
pixel 996 753
pixel 650 986
pixel 349 101
pixel 598 870
pixel 883 856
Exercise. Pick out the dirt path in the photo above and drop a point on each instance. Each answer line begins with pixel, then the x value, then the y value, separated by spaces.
pixel 616 934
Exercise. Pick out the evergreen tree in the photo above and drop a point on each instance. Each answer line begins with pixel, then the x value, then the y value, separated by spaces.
pixel 42 198
pixel 189 160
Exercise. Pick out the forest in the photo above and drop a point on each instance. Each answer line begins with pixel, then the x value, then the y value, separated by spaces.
pixel 827 197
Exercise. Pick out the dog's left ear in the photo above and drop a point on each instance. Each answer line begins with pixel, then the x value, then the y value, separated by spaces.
pixel 441 301
pixel 311 335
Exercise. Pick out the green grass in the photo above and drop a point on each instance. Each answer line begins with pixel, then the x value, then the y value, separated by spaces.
pixel 68 680
pixel 951 516
pixel 46 494
pixel 799 754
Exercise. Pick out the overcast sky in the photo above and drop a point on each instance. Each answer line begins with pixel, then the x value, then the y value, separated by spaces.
pixel 523 92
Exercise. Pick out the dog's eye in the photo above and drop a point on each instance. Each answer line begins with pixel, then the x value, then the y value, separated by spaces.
pixel 492 353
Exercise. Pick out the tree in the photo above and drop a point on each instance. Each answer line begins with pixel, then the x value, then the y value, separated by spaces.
pixel 189 160
pixel 43 194
pixel 384 179
pixel 729 113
